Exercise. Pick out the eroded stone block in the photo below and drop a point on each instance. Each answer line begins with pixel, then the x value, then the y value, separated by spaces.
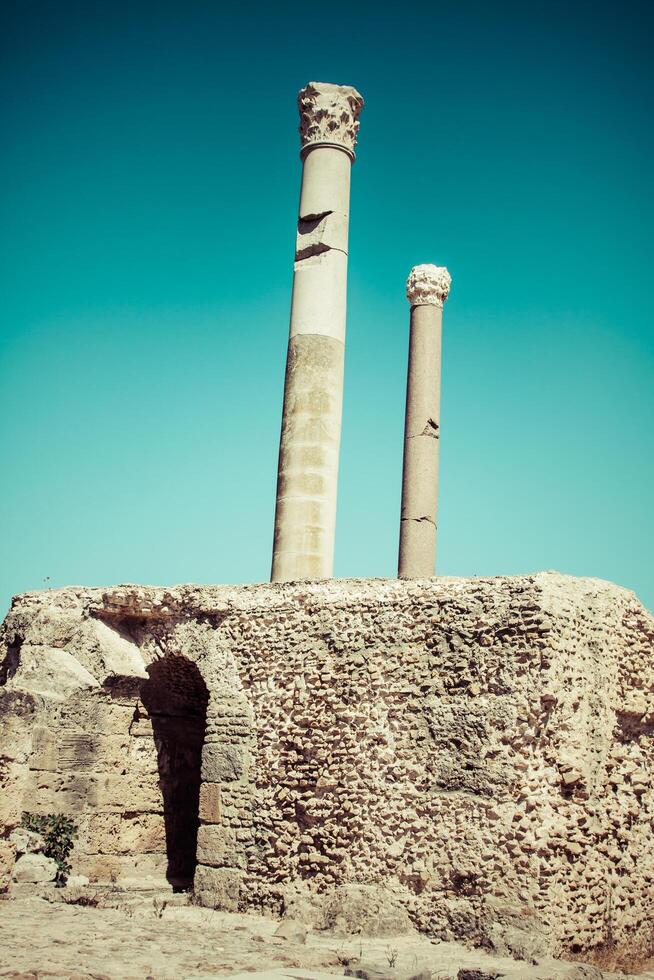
pixel 50 672
pixel 126 792
pixel 210 810
pixel 217 846
pixel 223 762
pixel 115 833
pixel 217 888
pixel 26 841
pixel 45 754
pixel 7 859
pixel 34 868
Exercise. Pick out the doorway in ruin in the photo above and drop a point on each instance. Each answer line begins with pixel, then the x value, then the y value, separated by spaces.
pixel 175 697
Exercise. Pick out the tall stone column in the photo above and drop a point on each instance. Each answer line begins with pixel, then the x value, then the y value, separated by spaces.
pixel 426 289
pixel 305 516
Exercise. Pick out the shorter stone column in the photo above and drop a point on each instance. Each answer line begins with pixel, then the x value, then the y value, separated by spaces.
pixel 427 288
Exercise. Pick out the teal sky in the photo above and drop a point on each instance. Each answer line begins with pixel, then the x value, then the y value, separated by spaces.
pixel 149 180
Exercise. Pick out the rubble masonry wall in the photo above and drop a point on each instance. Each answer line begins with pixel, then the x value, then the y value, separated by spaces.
pixel 480 748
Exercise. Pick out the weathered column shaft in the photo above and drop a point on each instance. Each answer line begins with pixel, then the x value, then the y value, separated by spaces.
pixel 427 287
pixel 305 516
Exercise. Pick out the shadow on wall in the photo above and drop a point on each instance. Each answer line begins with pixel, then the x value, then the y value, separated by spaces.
pixel 175 697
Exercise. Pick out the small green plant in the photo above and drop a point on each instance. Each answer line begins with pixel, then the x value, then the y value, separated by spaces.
pixel 58 832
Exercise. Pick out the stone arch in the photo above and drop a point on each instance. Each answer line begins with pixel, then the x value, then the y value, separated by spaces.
pixel 176 697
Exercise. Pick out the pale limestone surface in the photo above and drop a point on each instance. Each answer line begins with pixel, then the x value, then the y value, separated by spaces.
pixel 478 752
pixel 305 516
pixel 32 868
pixel 52 674
pixel 160 939
pixel 26 841
pixel 427 288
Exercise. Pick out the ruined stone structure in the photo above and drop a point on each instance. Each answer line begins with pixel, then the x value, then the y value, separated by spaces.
pixel 305 517
pixel 427 289
pixel 479 750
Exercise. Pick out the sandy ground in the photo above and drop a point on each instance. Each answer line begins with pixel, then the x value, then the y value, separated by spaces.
pixel 40 939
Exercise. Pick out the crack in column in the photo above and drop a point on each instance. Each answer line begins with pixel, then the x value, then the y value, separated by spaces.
pixel 431 429
pixel 316 248
pixel 312 219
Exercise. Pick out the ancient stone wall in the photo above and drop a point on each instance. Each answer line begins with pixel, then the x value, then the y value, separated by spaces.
pixel 95 759
pixel 480 748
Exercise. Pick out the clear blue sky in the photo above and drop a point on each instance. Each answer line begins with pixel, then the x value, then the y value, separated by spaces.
pixel 149 181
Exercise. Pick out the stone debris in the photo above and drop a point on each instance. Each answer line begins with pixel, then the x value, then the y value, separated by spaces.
pixel 32 868
pixel 26 841
pixel 477 975
pixel 77 881
pixel 366 972
pixel 293 932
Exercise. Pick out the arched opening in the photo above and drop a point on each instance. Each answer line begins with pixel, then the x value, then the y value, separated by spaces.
pixel 175 697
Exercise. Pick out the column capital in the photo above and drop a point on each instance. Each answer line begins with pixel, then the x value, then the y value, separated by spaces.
pixel 329 116
pixel 428 285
